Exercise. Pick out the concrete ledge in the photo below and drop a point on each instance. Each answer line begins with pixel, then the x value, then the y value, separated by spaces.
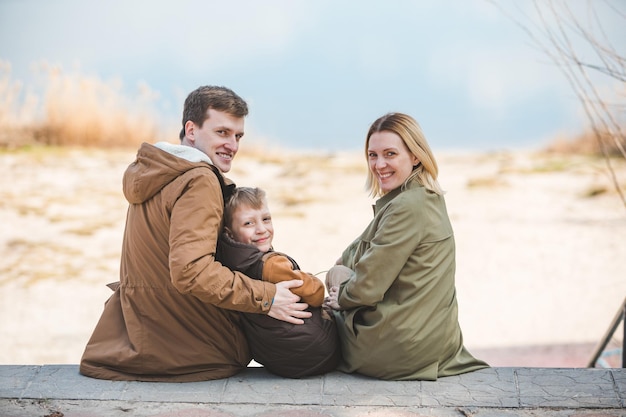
pixel 42 390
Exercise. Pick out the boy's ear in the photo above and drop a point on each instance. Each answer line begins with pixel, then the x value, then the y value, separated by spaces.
pixel 228 232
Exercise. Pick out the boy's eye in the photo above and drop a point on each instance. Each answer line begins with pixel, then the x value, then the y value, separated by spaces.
pixel 267 219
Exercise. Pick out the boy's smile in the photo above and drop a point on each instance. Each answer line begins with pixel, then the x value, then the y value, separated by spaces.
pixel 253 226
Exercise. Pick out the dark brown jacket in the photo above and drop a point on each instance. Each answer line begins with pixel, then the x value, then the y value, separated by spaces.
pixel 285 349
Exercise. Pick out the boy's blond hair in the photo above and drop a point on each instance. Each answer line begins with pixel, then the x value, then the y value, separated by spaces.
pixel 252 197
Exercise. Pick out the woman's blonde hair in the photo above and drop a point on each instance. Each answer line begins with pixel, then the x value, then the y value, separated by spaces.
pixel 410 132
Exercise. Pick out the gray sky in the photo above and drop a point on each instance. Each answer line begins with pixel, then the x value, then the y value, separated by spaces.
pixel 317 73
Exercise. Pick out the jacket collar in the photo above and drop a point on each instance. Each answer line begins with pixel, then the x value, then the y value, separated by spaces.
pixel 384 200
pixel 184 151
pixel 235 255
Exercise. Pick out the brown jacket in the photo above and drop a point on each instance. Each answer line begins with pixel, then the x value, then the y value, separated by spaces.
pixel 278 268
pixel 173 316
pixel 269 266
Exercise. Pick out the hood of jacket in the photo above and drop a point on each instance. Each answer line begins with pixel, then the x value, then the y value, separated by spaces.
pixel 156 166
pixel 238 256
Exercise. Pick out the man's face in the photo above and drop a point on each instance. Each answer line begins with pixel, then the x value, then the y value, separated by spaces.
pixel 218 137
pixel 253 226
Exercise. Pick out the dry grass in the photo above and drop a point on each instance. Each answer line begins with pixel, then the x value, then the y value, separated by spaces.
pixel 486 182
pixel 588 144
pixel 75 109
pixel 78 109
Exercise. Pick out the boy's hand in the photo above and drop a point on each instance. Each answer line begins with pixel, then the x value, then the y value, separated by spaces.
pixel 286 306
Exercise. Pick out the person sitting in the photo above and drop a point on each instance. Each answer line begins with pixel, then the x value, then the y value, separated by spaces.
pixel 393 289
pixel 173 316
pixel 285 349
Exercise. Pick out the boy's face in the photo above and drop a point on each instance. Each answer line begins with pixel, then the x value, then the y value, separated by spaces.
pixel 253 226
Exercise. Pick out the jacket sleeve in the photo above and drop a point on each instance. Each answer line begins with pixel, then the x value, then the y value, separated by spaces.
pixel 196 220
pixel 279 268
pixel 391 243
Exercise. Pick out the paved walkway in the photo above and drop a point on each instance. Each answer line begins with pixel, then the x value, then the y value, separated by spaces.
pixel 59 391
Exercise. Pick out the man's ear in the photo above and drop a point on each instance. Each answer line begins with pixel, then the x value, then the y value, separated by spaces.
pixel 190 131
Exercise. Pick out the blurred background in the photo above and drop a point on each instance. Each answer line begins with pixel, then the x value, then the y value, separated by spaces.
pixel 315 73
pixel 523 103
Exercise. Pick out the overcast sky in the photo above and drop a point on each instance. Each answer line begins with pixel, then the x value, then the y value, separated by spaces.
pixel 316 73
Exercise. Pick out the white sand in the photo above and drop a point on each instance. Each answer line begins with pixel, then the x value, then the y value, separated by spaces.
pixel 538 263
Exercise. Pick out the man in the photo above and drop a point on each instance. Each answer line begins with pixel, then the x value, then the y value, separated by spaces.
pixel 174 314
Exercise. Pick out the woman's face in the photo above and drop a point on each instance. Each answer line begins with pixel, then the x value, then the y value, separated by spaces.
pixel 390 160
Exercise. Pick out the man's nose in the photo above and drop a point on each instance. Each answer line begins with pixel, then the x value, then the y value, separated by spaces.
pixel 232 144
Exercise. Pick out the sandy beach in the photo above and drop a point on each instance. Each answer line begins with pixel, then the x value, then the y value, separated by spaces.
pixel 540 243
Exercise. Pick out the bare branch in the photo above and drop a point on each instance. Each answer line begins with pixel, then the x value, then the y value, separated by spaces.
pixel 553 36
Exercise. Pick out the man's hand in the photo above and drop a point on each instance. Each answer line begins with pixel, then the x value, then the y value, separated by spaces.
pixel 286 306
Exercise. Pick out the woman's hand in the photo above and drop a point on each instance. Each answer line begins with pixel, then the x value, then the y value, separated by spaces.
pixel 331 301
pixel 286 306
pixel 337 275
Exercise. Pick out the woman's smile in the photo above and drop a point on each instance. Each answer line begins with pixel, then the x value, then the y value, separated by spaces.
pixel 390 160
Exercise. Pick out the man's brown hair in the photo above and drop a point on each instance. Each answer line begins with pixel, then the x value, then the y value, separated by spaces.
pixel 211 97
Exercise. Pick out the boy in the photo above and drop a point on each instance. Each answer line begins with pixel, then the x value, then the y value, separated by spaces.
pixel 285 349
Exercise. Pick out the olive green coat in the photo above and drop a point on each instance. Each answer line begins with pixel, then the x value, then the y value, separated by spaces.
pixel 400 317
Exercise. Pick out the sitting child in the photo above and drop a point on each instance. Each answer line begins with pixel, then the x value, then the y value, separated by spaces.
pixel 285 349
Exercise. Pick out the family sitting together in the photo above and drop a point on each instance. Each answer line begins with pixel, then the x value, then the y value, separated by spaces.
pixel 202 291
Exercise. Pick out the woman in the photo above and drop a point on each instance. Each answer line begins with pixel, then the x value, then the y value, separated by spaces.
pixel 393 292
